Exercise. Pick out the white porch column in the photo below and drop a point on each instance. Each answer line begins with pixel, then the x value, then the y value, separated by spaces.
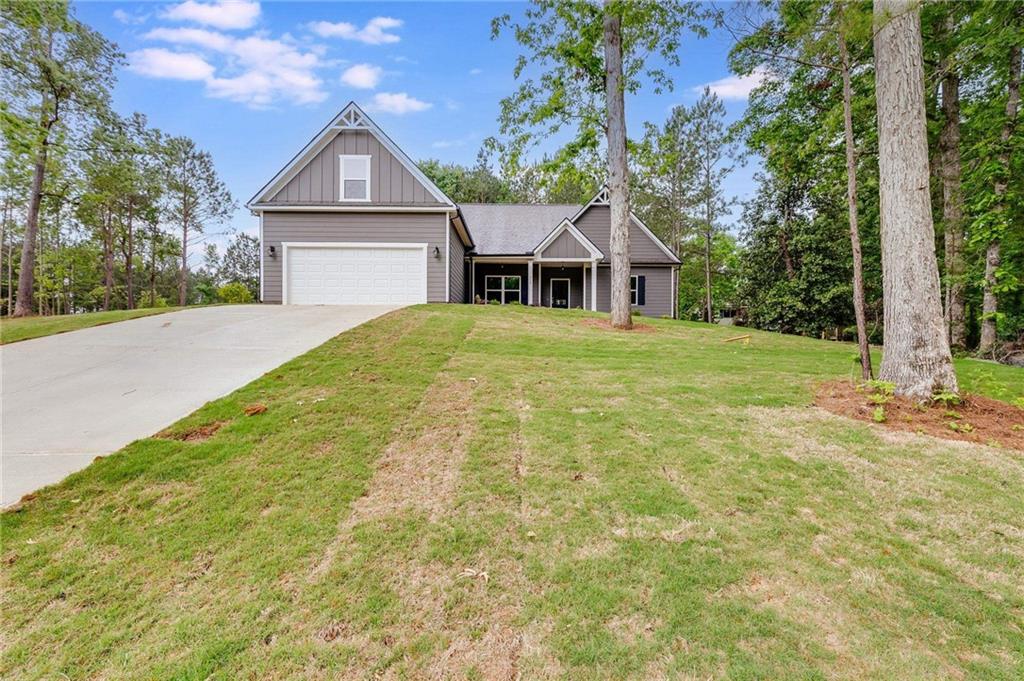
pixel 593 286
pixel 583 270
pixel 529 282
pixel 540 284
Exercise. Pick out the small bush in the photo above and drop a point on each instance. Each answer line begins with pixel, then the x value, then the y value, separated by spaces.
pixel 234 293
pixel 158 301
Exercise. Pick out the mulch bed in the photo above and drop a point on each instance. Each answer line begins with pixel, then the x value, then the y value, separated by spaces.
pixel 976 419
pixel 606 324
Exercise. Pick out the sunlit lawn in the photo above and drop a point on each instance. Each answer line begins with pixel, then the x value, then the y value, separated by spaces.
pixel 24 328
pixel 481 492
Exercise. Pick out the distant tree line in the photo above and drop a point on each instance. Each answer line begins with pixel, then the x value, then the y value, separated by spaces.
pixel 99 211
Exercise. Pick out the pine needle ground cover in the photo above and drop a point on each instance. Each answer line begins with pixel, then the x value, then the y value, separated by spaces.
pixel 480 492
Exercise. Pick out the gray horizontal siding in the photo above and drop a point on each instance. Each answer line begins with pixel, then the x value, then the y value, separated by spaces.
pixel 596 223
pixel 565 246
pixel 391 183
pixel 456 268
pixel 426 228
pixel 658 297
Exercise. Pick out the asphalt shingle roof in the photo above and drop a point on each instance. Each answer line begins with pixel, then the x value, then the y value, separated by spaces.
pixel 512 228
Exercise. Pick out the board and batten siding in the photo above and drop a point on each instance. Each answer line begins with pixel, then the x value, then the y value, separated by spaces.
pixel 596 224
pixel 566 246
pixel 456 267
pixel 323 227
pixel 318 183
pixel 658 296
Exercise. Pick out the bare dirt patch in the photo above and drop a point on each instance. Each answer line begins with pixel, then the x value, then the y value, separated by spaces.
pixel 194 434
pixel 606 324
pixel 977 419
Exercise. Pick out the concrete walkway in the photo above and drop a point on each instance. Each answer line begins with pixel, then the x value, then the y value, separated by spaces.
pixel 71 397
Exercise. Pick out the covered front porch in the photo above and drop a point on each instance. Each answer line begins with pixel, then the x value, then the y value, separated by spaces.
pixel 567 284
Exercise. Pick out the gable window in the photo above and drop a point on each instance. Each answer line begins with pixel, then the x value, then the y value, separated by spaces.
pixel 355 178
pixel 504 289
pixel 638 289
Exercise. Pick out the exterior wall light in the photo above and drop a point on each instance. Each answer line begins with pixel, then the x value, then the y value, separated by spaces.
pixel 273 251
pixel 437 252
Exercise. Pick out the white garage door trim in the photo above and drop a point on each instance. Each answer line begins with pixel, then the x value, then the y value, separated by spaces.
pixel 347 244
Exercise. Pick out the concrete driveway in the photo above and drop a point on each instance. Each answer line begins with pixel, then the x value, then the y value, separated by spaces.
pixel 70 397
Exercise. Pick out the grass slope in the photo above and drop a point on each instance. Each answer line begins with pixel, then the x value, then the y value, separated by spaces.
pixel 24 328
pixel 472 492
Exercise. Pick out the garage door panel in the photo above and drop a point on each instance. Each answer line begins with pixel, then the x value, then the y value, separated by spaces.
pixel 347 275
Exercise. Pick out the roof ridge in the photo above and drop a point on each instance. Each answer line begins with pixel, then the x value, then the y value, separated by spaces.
pixel 517 203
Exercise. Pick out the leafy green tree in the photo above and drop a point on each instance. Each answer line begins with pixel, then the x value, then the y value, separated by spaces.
pixel 241 263
pixel 468 185
pixel 808 44
pixel 194 197
pixel 665 179
pixel 589 56
pixel 55 68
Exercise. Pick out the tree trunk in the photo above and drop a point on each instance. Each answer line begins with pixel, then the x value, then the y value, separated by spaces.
pixel 952 201
pixel 26 269
pixel 108 259
pixel 916 356
pixel 992 257
pixel 618 181
pixel 851 200
pixel 709 316
pixel 183 274
pixel 128 269
pixel 152 270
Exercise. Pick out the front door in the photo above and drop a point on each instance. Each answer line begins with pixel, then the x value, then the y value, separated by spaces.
pixel 560 293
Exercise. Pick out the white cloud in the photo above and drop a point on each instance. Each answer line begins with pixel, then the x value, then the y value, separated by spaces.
pixel 363 76
pixel 160 63
pixel 225 14
pixel 734 87
pixel 475 72
pixel 255 70
pixel 375 32
pixel 398 103
pixel 201 37
pixel 128 19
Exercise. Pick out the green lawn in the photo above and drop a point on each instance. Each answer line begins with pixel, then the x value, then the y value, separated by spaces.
pixel 24 328
pixel 479 492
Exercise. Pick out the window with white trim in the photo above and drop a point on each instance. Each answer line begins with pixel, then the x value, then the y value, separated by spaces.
pixel 355 177
pixel 633 283
pixel 504 289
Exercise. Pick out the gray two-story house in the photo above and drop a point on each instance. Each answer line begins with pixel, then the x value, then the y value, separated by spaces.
pixel 352 220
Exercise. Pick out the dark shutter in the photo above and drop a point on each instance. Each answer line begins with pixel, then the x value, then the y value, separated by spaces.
pixel 641 290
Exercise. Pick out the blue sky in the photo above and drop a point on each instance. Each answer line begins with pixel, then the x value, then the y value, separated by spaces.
pixel 252 82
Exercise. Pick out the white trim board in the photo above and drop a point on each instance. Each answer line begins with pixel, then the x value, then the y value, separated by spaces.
pixel 551 290
pixel 350 244
pixel 368 178
pixel 342 208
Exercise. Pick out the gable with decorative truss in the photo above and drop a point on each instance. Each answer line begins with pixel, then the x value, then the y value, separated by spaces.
pixel 314 176
pixel 594 220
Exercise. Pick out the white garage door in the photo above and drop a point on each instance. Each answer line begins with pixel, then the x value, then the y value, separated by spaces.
pixel 391 274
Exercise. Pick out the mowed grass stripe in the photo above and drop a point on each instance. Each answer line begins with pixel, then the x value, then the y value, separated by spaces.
pixel 169 558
